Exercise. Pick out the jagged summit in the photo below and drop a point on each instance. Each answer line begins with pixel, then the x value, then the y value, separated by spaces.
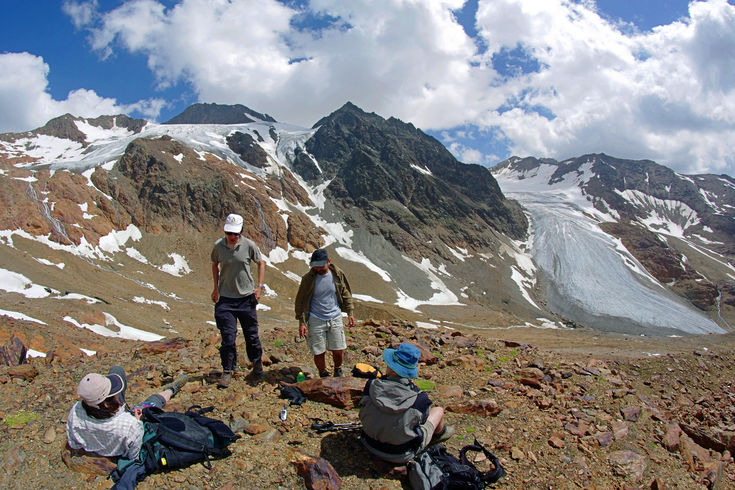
pixel 407 183
pixel 210 113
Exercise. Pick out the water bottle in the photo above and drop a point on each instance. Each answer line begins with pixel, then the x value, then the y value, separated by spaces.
pixel 300 377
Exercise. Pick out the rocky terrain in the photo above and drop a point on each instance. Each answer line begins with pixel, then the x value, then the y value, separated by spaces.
pixel 562 409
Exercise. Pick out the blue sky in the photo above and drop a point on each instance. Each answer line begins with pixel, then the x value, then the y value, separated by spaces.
pixel 489 78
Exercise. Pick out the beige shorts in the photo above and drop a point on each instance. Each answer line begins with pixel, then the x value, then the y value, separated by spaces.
pixel 325 335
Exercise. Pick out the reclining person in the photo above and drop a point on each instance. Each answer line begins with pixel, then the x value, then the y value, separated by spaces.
pixel 102 423
pixel 397 421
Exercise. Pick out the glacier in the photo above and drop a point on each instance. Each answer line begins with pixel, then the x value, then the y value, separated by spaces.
pixel 588 275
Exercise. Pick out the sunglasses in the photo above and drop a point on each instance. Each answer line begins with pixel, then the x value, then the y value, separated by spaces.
pixel 230 233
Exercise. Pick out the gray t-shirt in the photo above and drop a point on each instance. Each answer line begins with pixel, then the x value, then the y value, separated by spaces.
pixel 324 304
pixel 235 278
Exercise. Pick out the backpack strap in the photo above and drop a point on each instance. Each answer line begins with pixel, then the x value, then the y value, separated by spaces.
pixel 487 476
pixel 198 410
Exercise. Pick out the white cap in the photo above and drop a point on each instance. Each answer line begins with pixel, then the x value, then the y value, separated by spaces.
pixel 233 223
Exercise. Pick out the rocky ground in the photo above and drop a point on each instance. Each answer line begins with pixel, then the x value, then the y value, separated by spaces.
pixel 560 409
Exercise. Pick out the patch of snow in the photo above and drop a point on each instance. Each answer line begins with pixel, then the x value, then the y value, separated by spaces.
pixel 88 352
pixel 365 297
pixel 34 353
pixel 359 257
pixel 114 241
pixel 141 299
pixel 178 268
pixel 427 326
pixel 421 170
pixel 124 331
pixel 12 282
pixel 134 254
pixel 20 316
pixel 60 265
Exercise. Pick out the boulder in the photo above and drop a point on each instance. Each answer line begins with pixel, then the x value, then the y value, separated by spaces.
pixel 342 392
pixel 13 353
pixel 317 472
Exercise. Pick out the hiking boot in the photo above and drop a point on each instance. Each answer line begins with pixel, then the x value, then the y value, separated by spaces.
pixel 338 372
pixel 444 435
pixel 257 368
pixel 225 380
pixel 324 374
pixel 177 384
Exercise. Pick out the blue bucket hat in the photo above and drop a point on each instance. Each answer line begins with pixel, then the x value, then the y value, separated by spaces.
pixel 404 360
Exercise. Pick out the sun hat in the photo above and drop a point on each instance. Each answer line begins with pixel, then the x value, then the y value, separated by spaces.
pixel 95 388
pixel 233 223
pixel 404 360
pixel 319 258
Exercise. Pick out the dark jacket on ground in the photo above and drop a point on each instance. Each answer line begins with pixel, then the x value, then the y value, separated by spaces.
pixel 306 292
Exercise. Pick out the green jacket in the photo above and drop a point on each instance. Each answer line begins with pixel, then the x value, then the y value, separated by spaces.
pixel 306 292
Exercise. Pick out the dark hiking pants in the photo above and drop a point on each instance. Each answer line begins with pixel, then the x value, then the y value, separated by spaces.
pixel 227 312
pixel 154 400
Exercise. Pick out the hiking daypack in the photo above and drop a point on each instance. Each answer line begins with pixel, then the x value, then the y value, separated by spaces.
pixel 175 440
pixel 364 370
pixel 436 469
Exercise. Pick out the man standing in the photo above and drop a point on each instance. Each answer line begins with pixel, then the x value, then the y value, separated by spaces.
pixel 236 296
pixel 323 295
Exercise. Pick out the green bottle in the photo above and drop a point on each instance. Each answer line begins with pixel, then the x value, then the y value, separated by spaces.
pixel 300 377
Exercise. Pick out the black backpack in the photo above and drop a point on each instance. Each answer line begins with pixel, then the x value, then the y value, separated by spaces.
pixel 434 469
pixel 175 440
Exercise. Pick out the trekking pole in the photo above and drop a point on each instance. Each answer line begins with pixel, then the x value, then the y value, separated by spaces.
pixel 320 426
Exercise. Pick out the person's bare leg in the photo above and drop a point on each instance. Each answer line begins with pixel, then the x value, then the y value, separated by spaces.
pixel 337 357
pixel 320 363
pixel 436 417
pixel 166 395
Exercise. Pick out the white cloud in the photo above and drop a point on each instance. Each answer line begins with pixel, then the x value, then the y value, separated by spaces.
pixel 658 95
pixel 25 102
pixel 593 85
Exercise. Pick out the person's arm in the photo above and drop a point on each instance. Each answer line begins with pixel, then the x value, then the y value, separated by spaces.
pixel 215 278
pixel 261 276
pixel 299 310
pixel 348 305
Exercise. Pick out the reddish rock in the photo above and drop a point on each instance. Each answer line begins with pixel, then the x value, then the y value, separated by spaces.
pixel 449 391
pixel 631 414
pixel 486 408
pixel 13 353
pixel 340 392
pixel 556 441
pixel 167 345
pixel 620 430
pixel 671 439
pixel 84 462
pixel 604 439
pixel 318 473
pixel 628 464
pixel 24 371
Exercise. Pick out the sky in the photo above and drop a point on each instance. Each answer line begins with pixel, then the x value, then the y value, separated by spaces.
pixel 651 79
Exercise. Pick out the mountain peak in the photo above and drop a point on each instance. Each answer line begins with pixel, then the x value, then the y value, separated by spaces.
pixel 211 113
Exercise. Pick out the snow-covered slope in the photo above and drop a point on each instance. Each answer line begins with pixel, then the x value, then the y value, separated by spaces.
pixel 589 275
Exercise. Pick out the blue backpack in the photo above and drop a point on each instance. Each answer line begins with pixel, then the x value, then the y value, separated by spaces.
pixel 174 440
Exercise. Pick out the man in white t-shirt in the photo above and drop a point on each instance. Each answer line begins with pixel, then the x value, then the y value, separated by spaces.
pixel 101 422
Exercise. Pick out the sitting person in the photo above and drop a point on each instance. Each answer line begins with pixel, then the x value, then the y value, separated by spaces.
pixel 102 423
pixel 397 422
